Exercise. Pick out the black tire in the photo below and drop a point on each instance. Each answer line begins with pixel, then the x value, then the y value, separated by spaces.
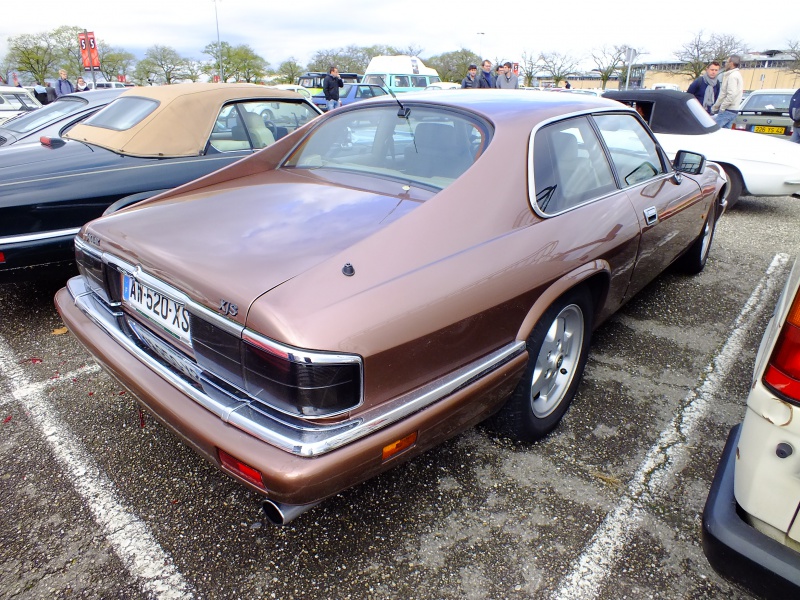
pixel 557 350
pixel 736 184
pixel 694 260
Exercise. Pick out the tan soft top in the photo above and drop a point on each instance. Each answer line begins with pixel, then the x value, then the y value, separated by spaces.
pixel 182 123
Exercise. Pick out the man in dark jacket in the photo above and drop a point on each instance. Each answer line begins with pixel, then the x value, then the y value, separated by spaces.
pixel 471 80
pixel 485 77
pixel 706 87
pixel 330 87
pixel 794 113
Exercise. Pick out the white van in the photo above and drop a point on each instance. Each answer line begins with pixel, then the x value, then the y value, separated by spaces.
pixel 400 73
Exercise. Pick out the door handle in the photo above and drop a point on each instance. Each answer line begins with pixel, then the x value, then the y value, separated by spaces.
pixel 651 215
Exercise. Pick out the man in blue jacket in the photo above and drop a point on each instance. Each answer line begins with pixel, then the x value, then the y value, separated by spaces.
pixel 706 87
pixel 63 85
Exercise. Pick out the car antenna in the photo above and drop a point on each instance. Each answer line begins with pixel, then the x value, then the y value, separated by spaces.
pixel 403 111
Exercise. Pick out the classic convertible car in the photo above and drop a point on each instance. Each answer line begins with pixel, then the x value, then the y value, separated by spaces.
pixel 146 141
pixel 755 164
pixel 389 276
pixel 751 529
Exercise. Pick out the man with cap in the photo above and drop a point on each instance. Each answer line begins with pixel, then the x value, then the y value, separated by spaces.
pixel 470 81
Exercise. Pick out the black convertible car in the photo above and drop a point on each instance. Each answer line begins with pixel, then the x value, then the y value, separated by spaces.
pixel 148 140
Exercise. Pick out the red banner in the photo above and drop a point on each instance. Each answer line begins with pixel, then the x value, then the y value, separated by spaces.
pixel 89 55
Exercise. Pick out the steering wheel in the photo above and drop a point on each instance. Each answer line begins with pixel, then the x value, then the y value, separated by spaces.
pixel 272 127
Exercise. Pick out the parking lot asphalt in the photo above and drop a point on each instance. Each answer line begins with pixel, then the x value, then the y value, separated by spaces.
pixel 98 500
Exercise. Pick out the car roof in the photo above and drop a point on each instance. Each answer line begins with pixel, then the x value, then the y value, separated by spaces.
pixel 670 114
pixel 181 124
pixel 520 107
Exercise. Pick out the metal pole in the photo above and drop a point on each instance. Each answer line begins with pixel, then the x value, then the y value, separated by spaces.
pixel 630 56
pixel 480 44
pixel 219 46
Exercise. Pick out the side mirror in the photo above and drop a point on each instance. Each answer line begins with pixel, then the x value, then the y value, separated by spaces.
pixel 692 163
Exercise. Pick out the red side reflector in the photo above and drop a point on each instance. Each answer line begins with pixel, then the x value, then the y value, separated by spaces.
pixel 783 372
pixel 397 447
pixel 2 257
pixel 243 470
pixel 51 142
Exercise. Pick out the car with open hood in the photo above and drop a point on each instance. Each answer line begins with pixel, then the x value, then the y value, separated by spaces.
pixel 759 165
pixel 147 140
pixel 751 528
pixel 389 275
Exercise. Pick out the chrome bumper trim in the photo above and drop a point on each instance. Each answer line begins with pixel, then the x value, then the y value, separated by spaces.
pixel 42 235
pixel 291 435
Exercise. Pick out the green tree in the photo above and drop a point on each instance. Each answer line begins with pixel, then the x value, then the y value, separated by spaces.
pixel 453 66
pixel 145 72
pixel 220 61
pixel 194 69
pixel 245 65
pixel 289 71
pixel 33 54
pixel 115 61
pixel 68 49
pixel 166 64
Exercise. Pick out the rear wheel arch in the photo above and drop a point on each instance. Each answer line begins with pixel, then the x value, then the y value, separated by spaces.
pixel 735 183
pixel 595 276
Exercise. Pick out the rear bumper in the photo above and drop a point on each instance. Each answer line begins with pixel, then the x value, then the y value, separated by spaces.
pixel 738 551
pixel 37 256
pixel 289 476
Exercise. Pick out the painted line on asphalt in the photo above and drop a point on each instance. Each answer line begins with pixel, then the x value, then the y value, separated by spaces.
pixel 128 535
pixel 37 388
pixel 595 563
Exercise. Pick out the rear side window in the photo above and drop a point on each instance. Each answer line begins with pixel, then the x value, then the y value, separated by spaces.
pixel 633 151
pixel 123 113
pixel 59 109
pixel 569 166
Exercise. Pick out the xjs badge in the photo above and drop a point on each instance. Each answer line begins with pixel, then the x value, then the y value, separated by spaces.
pixel 228 308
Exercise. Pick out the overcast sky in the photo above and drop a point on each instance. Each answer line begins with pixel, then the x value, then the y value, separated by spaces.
pixel 278 30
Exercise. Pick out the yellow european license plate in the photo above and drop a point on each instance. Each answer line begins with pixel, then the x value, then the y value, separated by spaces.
pixel 767 129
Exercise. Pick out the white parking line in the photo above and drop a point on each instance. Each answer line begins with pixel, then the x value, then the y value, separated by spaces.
pixel 132 542
pixel 596 562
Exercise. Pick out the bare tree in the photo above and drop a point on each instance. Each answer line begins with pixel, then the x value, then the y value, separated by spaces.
pixel 609 61
pixel 699 51
pixel 114 61
pixel 794 52
pixel 528 66
pixel 559 66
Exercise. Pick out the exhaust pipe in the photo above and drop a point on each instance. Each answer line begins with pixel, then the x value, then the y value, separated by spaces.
pixel 281 514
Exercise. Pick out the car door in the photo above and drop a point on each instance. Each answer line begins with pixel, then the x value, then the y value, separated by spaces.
pixel 670 207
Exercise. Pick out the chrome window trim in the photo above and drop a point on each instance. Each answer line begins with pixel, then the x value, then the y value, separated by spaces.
pixel 298 437
pixel 588 112
pixel 34 237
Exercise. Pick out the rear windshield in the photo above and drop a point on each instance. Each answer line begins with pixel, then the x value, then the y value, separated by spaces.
pixel 430 147
pixel 768 102
pixel 51 113
pixel 123 113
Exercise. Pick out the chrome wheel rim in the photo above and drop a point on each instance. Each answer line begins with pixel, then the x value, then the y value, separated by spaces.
pixel 557 361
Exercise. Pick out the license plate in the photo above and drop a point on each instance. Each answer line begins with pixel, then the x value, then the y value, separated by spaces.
pixel 767 129
pixel 173 358
pixel 169 315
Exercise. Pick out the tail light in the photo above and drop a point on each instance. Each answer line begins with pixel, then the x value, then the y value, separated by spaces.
pixel 740 126
pixel 783 371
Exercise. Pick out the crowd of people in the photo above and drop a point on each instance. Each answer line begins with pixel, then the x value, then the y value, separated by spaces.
pixel 46 92
pixel 502 78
